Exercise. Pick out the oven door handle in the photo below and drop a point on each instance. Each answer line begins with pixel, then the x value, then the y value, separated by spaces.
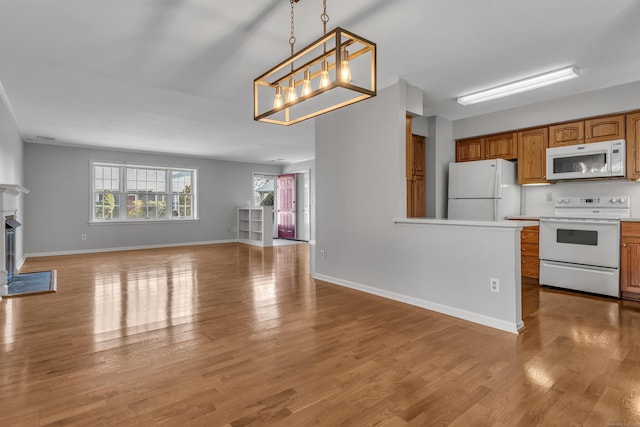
pixel 578 222
pixel 580 267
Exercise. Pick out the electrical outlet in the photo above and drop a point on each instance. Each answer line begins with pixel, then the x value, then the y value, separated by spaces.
pixel 494 285
pixel 84 237
pixel 322 254
pixel 549 197
pixel 235 229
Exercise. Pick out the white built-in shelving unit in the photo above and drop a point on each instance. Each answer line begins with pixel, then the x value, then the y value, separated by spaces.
pixel 255 225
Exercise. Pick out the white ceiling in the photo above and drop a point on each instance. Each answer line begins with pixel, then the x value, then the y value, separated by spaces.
pixel 176 76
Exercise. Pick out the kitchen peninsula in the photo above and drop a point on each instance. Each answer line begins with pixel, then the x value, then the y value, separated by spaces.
pixel 466 269
pixel 480 260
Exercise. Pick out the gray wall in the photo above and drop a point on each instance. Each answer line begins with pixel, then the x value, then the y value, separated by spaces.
pixel 440 152
pixel 11 149
pixel 11 169
pixel 360 182
pixel 598 102
pixel 57 209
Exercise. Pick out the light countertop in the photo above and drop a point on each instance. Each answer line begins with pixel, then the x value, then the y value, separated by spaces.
pixel 536 218
pixel 465 223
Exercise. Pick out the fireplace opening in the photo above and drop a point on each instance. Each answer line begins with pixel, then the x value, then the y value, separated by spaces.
pixel 11 224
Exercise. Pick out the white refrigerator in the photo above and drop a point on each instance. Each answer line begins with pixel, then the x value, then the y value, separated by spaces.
pixel 484 190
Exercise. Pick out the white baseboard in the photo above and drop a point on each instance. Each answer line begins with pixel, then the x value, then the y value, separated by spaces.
pixel 20 262
pixel 125 248
pixel 439 308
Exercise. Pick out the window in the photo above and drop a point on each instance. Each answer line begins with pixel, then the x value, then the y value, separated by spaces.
pixel 264 189
pixel 150 193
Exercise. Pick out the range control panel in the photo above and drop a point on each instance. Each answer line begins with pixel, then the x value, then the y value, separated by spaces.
pixel 593 207
pixel 618 202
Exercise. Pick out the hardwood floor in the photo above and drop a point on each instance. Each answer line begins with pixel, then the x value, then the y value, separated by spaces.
pixel 238 335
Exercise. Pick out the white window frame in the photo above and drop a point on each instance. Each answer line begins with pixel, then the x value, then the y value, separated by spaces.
pixel 169 194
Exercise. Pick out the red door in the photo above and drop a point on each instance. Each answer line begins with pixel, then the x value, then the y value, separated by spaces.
pixel 287 206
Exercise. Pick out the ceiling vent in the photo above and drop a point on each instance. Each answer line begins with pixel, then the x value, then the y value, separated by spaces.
pixel 45 138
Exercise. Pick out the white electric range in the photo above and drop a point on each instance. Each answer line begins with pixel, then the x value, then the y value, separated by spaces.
pixel 580 244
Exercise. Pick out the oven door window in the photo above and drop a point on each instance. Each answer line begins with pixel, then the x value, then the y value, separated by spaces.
pixel 596 162
pixel 577 237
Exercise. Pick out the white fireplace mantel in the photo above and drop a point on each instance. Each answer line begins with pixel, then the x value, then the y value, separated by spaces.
pixel 13 189
pixel 8 206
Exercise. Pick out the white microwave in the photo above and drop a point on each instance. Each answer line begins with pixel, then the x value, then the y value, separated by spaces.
pixel 594 160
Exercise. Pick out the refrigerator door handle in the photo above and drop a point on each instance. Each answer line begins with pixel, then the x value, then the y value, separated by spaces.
pixel 498 180
pixel 496 189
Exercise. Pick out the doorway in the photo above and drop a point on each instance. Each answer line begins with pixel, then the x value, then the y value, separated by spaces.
pixel 302 206
pixel 266 193
pixel 286 206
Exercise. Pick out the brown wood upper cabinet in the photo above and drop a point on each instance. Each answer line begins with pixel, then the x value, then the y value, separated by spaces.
pixel 566 134
pixel 604 128
pixel 586 131
pixel 469 150
pixel 633 145
pixel 532 155
pixel 502 146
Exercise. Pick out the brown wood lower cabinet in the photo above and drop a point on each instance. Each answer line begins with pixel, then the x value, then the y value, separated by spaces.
pixel 529 256
pixel 633 145
pixel 529 244
pixel 630 260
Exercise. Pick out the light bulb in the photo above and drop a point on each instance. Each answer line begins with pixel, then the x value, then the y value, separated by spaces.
pixel 292 95
pixel 306 84
pixel 277 101
pixel 345 70
pixel 324 75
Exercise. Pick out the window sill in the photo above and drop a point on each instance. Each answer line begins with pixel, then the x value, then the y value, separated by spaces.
pixel 158 221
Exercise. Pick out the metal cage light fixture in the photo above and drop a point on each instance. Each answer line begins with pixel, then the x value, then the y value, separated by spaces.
pixel 336 70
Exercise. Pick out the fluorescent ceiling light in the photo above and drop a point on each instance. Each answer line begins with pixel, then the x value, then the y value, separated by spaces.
pixel 523 85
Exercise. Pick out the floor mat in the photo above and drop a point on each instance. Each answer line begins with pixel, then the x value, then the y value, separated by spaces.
pixel 32 284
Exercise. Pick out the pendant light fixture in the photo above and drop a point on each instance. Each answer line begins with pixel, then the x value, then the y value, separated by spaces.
pixel 336 70
pixel 277 101
pixel 306 85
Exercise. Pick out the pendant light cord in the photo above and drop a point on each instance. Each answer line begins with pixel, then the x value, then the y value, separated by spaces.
pixel 324 17
pixel 292 38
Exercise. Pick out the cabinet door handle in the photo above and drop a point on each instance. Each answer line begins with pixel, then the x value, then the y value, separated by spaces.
pixel 624 245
